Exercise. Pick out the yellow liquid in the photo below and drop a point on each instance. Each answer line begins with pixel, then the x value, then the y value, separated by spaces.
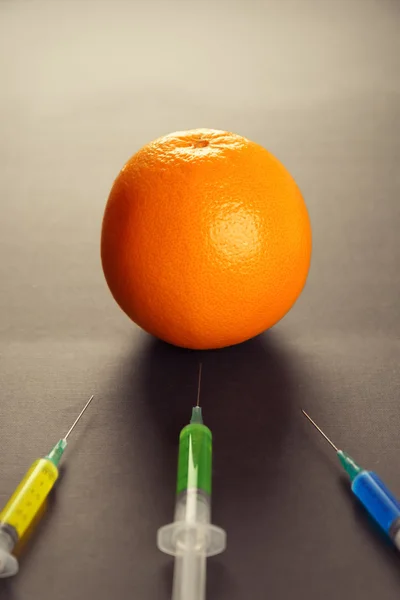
pixel 29 496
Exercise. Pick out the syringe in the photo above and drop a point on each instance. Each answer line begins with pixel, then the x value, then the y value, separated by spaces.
pixel 191 538
pixel 370 490
pixel 27 500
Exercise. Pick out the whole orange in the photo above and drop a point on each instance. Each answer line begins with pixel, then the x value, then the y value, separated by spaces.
pixel 206 239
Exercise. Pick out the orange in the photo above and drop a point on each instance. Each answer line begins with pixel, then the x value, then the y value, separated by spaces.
pixel 206 239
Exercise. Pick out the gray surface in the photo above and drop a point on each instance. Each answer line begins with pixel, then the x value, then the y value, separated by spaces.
pixel 83 86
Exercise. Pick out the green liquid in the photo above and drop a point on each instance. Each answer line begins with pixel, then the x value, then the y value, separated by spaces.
pixel 195 458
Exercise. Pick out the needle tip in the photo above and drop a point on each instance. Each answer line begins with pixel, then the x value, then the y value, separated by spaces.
pixel 319 429
pixel 78 417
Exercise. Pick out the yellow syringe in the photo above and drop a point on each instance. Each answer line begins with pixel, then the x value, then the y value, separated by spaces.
pixel 27 500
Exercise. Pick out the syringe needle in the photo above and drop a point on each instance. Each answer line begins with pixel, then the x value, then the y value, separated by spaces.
pixel 199 385
pixel 78 417
pixel 320 430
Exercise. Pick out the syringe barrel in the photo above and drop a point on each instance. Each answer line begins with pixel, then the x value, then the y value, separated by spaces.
pixel 26 501
pixel 379 502
pixel 193 506
pixel 195 459
pixel 192 531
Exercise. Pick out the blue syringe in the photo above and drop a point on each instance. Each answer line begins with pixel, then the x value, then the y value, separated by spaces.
pixel 370 491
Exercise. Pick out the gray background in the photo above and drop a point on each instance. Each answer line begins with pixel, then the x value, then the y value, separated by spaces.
pixel 83 86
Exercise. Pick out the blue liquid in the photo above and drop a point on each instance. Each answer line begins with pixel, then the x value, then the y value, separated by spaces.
pixel 377 499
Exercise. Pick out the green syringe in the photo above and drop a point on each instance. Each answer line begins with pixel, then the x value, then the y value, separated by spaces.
pixel 191 538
